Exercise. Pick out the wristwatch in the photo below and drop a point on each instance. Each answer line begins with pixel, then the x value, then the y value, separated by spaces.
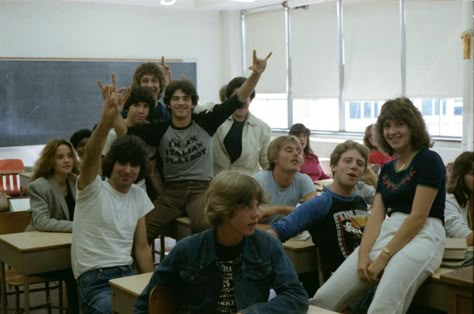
pixel 387 251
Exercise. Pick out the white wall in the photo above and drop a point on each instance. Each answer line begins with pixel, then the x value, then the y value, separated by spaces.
pixel 83 30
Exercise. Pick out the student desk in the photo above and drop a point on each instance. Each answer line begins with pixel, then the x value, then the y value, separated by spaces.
pixel 302 254
pixel 33 252
pixel 459 284
pixel 125 291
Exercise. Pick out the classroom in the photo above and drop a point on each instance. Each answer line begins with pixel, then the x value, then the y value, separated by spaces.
pixel 333 64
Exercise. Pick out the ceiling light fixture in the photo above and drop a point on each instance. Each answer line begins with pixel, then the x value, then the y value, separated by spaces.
pixel 167 2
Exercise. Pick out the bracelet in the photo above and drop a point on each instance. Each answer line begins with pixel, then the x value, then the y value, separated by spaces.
pixel 387 251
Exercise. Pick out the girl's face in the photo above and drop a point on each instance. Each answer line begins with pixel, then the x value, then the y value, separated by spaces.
pixel 303 139
pixel 63 160
pixel 397 134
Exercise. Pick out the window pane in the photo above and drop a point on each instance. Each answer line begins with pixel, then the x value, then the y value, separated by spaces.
pixel 317 114
pixel 271 108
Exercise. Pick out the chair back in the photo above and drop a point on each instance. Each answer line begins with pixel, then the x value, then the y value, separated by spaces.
pixel 10 170
pixel 14 222
pixel 162 301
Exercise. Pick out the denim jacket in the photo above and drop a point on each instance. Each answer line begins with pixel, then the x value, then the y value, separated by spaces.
pixel 191 270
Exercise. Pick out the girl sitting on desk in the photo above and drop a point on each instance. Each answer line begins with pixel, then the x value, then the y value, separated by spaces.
pixel 52 190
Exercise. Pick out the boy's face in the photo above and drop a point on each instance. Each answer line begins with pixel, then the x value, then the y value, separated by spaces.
pixel 243 221
pixel 123 176
pixel 290 157
pixel 137 114
pixel 349 168
pixel 152 82
pixel 181 105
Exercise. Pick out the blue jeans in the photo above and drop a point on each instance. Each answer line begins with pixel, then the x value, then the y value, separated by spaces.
pixel 95 293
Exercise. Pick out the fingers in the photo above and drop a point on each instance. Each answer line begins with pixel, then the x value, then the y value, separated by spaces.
pixel 268 56
pixel 101 86
pixel 163 60
pixel 254 56
pixel 114 82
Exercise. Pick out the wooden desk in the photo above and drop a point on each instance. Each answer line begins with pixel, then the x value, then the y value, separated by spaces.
pixel 460 284
pixel 313 309
pixel 33 252
pixel 302 254
pixel 125 291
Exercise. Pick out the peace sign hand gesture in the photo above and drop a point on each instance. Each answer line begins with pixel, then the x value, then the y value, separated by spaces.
pixel 259 65
pixel 114 99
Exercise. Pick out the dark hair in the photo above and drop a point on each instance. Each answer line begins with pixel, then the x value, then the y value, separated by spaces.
pixel 187 87
pixel 402 109
pixel 77 137
pixel 140 94
pixel 234 84
pixel 152 69
pixel 344 147
pixel 299 128
pixel 230 191
pixel 456 184
pixel 126 149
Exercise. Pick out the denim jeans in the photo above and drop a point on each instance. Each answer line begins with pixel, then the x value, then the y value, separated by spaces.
pixel 95 293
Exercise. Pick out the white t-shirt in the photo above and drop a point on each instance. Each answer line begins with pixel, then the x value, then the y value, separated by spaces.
pixel 104 225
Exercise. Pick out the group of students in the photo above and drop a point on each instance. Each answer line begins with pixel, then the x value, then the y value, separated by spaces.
pixel 231 266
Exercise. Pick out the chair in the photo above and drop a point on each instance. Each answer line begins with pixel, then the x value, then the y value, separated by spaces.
pixel 162 300
pixel 15 222
pixel 10 170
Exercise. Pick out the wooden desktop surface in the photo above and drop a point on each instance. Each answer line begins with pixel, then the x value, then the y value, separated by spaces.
pixel 34 252
pixel 126 290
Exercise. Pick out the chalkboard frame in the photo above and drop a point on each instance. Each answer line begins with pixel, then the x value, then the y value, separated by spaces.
pixel 45 98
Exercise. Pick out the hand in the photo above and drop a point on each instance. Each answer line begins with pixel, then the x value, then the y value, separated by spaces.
pixel 375 270
pixel 166 71
pixel 362 267
pixel 259 65
pixel 114 98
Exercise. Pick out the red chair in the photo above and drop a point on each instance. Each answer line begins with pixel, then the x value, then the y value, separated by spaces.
pixel 10 170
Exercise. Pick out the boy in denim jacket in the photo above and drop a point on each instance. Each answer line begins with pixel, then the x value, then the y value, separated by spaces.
pixel 231 267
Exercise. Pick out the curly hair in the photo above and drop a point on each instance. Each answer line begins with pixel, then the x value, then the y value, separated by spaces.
pixel 149 68
pixel 277 145
pixel 299 128
pixel 228 192
pixel 402 109
pixel 126 149
pixel 463 164
pixel 187 87
pixel 44 166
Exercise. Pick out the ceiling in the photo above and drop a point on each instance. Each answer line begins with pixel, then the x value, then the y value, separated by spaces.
pixel 197 4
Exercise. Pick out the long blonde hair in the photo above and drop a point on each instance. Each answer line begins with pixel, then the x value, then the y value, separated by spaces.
pixel 44 166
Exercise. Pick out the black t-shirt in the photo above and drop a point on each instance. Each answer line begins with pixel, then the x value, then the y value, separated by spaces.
pixel 226 256
pixel 71 203
pixel 233 140
pixel 398 187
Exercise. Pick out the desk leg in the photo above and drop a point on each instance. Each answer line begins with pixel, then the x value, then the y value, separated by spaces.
pixel 26 294
pixel 3 288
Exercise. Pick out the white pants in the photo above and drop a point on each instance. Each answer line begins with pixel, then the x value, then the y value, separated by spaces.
pixel 403 275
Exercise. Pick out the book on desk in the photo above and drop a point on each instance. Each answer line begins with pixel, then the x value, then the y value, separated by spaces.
pixel 454 252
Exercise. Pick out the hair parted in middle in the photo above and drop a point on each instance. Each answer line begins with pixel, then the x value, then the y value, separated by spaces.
pixel 402 109
pixel 230 191
pixel 44 166
pixel 277 145
pixel 299 128
pixel 138 95
pixel 126 149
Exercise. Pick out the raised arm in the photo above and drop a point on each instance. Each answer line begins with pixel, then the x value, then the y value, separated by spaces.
pixel 114 100
pixel 258 67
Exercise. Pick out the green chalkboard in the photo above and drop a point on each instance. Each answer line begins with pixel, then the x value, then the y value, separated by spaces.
pixel 45 99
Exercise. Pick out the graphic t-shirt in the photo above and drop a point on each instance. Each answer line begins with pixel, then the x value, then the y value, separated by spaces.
pixel 227 256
